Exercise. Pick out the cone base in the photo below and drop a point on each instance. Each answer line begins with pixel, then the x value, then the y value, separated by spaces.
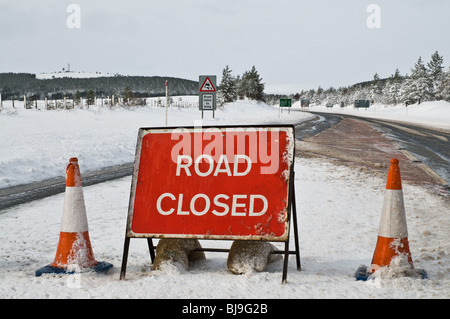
pixel 74 248
pixel 387 248
pixel 101 266
pixel 363 273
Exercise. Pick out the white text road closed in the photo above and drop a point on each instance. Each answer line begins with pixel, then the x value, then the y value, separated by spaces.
pixel 220 205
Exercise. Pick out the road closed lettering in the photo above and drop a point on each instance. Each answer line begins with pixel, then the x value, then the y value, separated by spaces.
pixel 217 183
pixel 238 205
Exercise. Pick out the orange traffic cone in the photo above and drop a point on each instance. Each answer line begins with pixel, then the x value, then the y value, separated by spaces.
pixel 393 233
pixel 74 248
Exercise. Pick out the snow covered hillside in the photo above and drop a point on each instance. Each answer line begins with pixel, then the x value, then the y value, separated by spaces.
pixel 69 74
pixel 338 211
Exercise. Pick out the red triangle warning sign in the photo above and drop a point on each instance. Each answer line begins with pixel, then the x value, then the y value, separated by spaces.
pixel 207 86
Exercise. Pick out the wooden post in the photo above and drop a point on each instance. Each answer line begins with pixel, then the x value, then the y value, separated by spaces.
pixel 167 98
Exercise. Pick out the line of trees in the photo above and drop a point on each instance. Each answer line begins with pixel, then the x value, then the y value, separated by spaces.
pixel 16 85
pixel 427 82
pixel 232 88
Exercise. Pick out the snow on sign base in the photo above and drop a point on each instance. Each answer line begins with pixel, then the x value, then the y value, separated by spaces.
pixel 212 183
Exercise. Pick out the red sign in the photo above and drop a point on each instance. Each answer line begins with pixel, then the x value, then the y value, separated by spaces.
pixel 212 183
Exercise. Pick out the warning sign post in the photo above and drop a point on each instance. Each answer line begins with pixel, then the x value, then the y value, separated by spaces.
pixel 207 93
pixel 227 183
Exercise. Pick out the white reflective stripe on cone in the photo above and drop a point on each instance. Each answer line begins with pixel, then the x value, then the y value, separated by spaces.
pixel 393 218
pixel 74 212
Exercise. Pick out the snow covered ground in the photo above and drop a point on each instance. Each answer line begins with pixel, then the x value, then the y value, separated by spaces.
pixel 36 144
pixel 338 210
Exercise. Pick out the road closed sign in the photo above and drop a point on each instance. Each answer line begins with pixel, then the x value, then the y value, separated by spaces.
pixel 212 183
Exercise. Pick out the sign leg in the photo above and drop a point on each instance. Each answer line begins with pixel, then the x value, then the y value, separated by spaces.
pixel 285 263
pixel 124 258
pixel 294 219
pixel 150 247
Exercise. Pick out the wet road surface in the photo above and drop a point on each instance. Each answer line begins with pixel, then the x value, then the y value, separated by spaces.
pixel 426 145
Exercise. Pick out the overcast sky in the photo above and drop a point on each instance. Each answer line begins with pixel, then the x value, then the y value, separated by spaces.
pixel 292 43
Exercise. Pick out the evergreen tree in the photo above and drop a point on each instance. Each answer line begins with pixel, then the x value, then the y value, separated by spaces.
pixel 331 96
pixel 443 90
pixel 361 93
pixel 418 87
pixel 406 90
pixel 393 88
pixel 29 102
pixel 227 87
pixel 318 96
pixel 376 89
pixel 310 95
pixel 90 98
pixel 239 89
pixel 77 98
pixel 435 67
pixel 251 85
pixel 127 94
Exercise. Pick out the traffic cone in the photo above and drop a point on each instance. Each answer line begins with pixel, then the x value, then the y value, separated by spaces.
pixel 74 252
pixel 392 238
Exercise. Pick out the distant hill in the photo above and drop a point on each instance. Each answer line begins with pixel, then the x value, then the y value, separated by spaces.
pixel 16 85
pixel 71 74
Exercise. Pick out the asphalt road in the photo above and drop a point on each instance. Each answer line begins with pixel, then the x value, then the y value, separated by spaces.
pixel 430 146
pixel 29 192
pixel 316 126
pixel 427 145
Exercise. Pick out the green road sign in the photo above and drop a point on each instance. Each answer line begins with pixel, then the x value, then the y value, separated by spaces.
pixel 285 103
pixel 362 103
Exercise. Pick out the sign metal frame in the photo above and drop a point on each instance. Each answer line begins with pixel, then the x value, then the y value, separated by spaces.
pixel 207 97
pixel 291 211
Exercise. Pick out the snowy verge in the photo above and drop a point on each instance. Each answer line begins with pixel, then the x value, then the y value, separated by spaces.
pixel 37 144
